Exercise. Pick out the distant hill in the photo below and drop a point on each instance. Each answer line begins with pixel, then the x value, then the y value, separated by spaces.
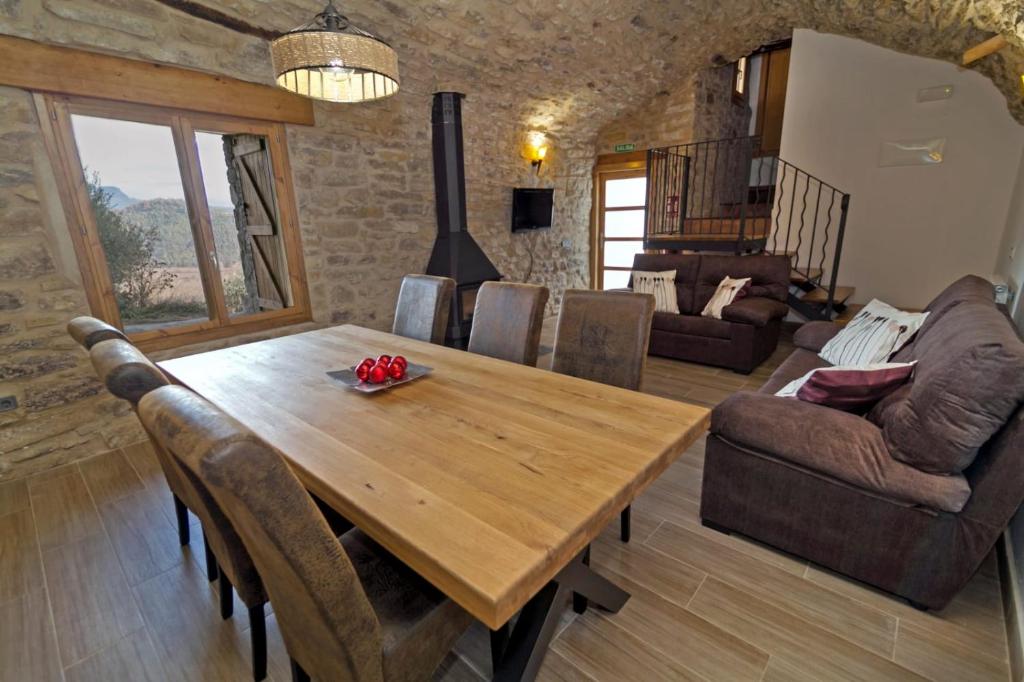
pixel 118 199
pixel 170 217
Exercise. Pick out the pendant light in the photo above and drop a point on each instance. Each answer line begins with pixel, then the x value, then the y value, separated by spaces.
pixel 330 59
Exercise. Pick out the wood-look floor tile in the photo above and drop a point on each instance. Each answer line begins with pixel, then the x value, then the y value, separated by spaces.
pixel 13 497
pixel 974 616
pixel 557 668
pixel 144 539
pixel 857 622
pixel 109 477
pixel 143 460
pixel 20 568
pixel 658 572
pixel 607 652
pixel 192 641
pixel 811 649
pixel 50 474
pixel 63 509
pixel 685 637
pixel 28 650
pixel 133 658
pixel 942 659
pixel 92 604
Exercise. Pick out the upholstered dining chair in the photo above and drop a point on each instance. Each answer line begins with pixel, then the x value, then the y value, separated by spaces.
pixel 507 320
pixel 424 304
pixel 347 609
pixel 603 336
pixel 89 331
pixel 129 375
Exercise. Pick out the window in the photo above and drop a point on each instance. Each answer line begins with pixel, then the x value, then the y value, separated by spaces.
pixel 620 225
pixel 184 223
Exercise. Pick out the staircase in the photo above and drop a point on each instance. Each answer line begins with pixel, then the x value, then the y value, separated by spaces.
pixel 725 195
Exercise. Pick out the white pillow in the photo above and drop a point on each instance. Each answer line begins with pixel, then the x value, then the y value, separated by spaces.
pixel 872 336
pixel 725 294
pixel 662 285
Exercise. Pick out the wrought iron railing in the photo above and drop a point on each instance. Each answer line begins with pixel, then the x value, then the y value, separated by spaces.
pixel 725 195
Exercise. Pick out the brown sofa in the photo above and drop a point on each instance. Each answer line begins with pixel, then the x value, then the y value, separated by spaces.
pixel 910 497
pixel 749 329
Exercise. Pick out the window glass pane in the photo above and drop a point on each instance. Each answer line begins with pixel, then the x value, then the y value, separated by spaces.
pixel 620 254
pixel 625 192
pixel 624 224
pixel 616 279
pixel 135 188
pixel 239 184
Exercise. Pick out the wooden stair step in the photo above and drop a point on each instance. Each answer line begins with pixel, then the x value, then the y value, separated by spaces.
pixel 812 274
pixel 848 314
pixel 820 295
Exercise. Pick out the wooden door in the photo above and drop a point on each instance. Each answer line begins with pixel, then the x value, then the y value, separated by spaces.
pixel 771 100
pixel 258 221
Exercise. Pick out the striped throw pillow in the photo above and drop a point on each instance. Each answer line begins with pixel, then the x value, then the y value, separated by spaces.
pixel 872 336
pixel 662 285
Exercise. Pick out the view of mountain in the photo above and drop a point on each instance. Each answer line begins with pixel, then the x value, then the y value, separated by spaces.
pixel 170 218
pixel 118 199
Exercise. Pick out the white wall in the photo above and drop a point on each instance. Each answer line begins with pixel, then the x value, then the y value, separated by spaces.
pixel 1011 253
pixel 911 229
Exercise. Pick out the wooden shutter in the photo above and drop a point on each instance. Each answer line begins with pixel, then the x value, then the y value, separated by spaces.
pixel 259 219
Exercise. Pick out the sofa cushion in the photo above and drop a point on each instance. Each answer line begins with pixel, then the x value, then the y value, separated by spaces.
pixel 661 285
pixel 813 336
pixel 757 311
pixel 969 379
pixel 874 335
pixel 685 265
pixel 851 389
pixel 834 444
pixel 693 325
pixel 799 363
pixel 769 276
pixel 967 288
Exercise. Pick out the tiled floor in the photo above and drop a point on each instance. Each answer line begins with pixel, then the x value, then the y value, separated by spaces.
pixel 93 586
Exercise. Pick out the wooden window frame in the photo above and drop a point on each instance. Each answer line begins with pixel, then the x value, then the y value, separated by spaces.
pixel 63 151
pixel 740 96
pixel 610 170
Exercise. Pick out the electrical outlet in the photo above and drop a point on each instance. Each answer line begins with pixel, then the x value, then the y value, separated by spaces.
pixel 8 403
pixel 566 243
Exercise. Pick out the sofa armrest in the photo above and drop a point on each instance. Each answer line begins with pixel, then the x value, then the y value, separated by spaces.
pixel 814 335
pixel 755 310
pixel 838 444
pixel 623 290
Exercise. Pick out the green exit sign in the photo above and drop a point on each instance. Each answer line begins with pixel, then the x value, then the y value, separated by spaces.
pixel 628 147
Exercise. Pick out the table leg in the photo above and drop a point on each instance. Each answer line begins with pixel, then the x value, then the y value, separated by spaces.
pixel 528 642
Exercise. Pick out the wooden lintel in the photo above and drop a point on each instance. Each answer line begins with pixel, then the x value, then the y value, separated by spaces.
pixel 984 49
pixel 61 70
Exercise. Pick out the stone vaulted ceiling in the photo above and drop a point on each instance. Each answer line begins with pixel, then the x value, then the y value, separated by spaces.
pixel 572 65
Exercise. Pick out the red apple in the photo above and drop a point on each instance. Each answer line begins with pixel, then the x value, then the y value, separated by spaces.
pixel 399 360
pixel 368 362
pixel 396 370
pixel 363 372
pixel 384 359
pixel 378 374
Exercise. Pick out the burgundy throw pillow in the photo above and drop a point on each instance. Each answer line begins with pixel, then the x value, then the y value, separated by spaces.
pixel 853 389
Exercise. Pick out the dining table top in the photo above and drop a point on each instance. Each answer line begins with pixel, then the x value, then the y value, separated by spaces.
pixel 486 477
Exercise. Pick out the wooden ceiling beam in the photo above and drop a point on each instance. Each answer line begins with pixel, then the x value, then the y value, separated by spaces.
pixel 984 49
pixel 40 67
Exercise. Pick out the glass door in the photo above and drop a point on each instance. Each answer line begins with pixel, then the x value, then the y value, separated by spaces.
pixel 620 225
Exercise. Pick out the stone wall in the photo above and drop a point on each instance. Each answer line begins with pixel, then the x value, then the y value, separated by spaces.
pixel 364 188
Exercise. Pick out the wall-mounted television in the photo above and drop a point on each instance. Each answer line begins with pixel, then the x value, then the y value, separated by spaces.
pixel 531 208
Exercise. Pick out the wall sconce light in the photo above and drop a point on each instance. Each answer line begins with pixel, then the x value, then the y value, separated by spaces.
pixel 536 149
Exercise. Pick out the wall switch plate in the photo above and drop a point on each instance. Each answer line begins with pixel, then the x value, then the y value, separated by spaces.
pixel 8 403
pixel 566 243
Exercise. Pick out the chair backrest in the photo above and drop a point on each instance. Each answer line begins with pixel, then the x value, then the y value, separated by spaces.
pixel 424 304
pixel 507 320
pixel 88 331
pixel 603 336
pixel 124 370
pixel 326 620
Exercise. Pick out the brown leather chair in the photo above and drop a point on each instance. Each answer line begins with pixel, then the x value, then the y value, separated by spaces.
pixel 507 320
pixel 347 609
pixel 88 331
pixel 129 375
pixel 603 336
pixel 424 304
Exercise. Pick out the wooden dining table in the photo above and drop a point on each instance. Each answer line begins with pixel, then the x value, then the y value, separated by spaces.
pixel 488 478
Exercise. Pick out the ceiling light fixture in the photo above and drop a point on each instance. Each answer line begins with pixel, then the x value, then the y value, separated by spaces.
pixel 330 59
